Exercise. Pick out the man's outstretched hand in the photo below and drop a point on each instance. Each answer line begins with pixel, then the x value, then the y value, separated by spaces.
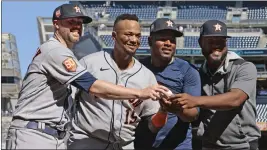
pixel 154 92
pixel 184 101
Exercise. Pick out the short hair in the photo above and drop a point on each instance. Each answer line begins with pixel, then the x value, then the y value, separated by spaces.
pixel 125 17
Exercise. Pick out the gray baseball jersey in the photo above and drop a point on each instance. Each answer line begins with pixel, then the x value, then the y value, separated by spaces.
pixel 113 120
pixel 231 129
pixel 44 89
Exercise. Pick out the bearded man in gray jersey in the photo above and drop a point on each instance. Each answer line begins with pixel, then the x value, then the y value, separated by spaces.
pixel 105 123
pixel 39 118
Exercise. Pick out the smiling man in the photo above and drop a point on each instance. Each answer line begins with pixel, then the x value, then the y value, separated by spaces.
pixel 228 101
pixel 177 75
pixel 40 120
pixel 105 123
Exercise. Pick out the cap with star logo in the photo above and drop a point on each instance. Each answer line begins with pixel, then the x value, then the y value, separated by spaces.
pixel 70 11
pixel 165 24
pixel 214 28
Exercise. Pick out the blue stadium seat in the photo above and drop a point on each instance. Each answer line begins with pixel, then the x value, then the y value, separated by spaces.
pixel 234 42
pixel 243 42
pixel 201 12
pixel 191 42
pixel 142 11
pixel 257 13
pixel 107 40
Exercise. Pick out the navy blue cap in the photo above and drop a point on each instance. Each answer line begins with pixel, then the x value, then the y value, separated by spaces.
pixel 165 24
pixel 214 28
pixel 70 11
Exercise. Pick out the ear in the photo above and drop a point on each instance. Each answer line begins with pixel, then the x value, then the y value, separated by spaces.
pixel 114 35
pixel 56 24
pixel 200 42
pixel 149 39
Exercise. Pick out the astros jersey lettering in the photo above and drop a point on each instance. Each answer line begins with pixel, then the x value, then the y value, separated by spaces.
pixel 113 120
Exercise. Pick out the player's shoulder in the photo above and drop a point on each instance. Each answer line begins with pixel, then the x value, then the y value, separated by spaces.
pixel 184 66
pixel 54 46
pixel 180 62
pixel 51 44
pixel 97 58
pixel 95 55
pixel 242 66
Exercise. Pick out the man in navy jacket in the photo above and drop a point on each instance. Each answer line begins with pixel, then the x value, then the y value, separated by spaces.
pixel 177 75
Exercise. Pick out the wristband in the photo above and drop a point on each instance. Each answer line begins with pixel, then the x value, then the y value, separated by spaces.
pixel 159 119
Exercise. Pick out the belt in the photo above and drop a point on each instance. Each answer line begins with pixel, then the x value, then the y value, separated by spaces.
pixel 42 127
pixel 254 144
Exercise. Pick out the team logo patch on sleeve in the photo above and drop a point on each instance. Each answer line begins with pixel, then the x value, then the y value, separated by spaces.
pixel 70 64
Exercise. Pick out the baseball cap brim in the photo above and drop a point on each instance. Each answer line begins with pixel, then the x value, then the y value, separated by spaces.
pixel 86 19
pixel 176 32
pixel 220 35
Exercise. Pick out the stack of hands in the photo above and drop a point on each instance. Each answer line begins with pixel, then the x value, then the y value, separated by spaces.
pixel 170 102
pixel 176 102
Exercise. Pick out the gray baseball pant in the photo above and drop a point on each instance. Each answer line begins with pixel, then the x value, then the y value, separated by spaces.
pixel 19 137
pixel 82 141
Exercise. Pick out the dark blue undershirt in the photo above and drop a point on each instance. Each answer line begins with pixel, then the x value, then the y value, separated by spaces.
pixel 180 77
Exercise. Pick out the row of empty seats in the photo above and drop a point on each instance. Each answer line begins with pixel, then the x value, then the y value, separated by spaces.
pixel 256 9
pixel 142 13
pixel 243 42
pixel 257 13
pixel 186 10
pixel 192 41
pixel 197 12
pixel 107 39
pixel 144 10
pixel 234 42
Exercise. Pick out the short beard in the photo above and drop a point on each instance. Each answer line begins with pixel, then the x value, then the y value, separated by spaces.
pixel 70 41
pixel 218 62
pixel 72 38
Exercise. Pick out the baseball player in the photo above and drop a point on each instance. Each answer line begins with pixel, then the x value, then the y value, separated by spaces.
pixel 228 101
pixel 104 123
pixel 39 118
pixel 180 77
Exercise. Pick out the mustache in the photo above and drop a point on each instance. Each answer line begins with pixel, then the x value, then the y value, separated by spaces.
pixel 75 29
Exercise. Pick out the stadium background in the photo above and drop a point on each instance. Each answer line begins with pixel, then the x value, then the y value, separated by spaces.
pixel 246 21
